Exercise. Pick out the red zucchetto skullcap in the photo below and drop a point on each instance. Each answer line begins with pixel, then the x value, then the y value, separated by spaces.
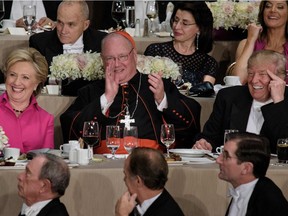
pixel 127 36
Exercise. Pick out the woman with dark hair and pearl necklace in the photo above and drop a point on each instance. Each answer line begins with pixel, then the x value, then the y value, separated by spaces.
pixel 26 125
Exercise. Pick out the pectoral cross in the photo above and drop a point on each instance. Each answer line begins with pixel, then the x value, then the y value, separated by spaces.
pixel 127 121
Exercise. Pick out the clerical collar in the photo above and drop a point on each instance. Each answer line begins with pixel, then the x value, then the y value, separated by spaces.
pixel 77 47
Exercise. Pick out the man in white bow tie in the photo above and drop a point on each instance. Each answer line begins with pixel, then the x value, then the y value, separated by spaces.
pixel 244 162
pixel 145 175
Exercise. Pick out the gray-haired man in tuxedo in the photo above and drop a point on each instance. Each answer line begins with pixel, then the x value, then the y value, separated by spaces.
pixel 43 182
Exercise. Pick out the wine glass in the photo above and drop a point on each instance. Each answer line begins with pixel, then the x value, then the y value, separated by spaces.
pixel 130 16
pixel 282 150
pixel 91 134
pixel 167 136
pixel 152 13
pixel 29 16
pixel 130 138
pixel 113 138
pixel 118 12
pixel 2 9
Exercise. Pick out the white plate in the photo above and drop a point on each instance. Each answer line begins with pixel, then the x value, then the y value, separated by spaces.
pixel 190 152
pixel 119 156
pixel 201 160
pixel 176 162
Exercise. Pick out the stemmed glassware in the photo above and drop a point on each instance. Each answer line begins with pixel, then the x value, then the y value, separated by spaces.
pixel 167 136
pixel 113 138
pixel 130 16
pixel 130 138
pixel 2 9
pixel 152 13
pixel 118 12
pixel 29 16
pixel 91 134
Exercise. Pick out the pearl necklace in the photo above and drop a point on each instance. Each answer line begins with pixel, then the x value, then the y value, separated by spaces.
pixel 18 111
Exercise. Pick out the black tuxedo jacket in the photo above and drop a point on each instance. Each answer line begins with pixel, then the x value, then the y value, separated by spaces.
pixel 231 111
pixel 50 8
pixel 48 44
pixel 266 200
pixel 53 208
pixel 164 205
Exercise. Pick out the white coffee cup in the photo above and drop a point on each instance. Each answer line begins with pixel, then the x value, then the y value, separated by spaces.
pixel 232 80
pixel 83 156
pixel 73 154
pixel 6 23
pixel 219 150
pixel 12 152
pixel 65 148
pixel 53 89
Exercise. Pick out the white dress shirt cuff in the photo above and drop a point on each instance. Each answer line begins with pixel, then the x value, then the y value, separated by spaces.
pixel 104 104
pixel 163 104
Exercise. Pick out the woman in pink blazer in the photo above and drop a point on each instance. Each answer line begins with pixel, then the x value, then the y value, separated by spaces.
pixel 26 125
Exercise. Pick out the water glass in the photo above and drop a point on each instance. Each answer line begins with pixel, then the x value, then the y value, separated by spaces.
pixel 130 138
pixel 130 16
pixel 282 150
pixel 29 16
pixel 113 138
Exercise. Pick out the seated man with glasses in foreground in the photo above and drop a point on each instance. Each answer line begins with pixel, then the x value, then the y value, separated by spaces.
pixel 148 99
pixel 244 162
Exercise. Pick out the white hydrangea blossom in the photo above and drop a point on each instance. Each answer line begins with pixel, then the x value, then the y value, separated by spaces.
pixel 3 139
pixel 89 66
pixel 228 14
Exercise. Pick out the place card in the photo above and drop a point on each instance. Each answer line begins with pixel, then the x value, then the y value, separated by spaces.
pixel 17 31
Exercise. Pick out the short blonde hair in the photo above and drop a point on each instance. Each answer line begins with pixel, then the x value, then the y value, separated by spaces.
pixel 272 57
pixel 31 55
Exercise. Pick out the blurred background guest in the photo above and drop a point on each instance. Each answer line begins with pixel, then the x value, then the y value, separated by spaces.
pixel 26 124
pixel 259 107
pixel 192 25
pixel 146 172
pixel 71 35
pixel 42 184
pixel 270 34
pixel 45 11
pixel 244 163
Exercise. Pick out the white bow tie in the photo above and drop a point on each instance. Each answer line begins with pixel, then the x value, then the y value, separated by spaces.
pixel 234 194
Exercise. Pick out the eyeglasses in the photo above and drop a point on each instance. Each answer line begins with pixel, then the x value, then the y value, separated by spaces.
pixel 183 24
pixel 226 155
pixel 120 58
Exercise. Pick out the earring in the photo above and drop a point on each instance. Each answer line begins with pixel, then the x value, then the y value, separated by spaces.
pixel 197 39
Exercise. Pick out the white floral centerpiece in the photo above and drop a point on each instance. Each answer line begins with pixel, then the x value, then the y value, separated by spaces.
pixel 229 14
pixel 3 139
pixel 89 66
